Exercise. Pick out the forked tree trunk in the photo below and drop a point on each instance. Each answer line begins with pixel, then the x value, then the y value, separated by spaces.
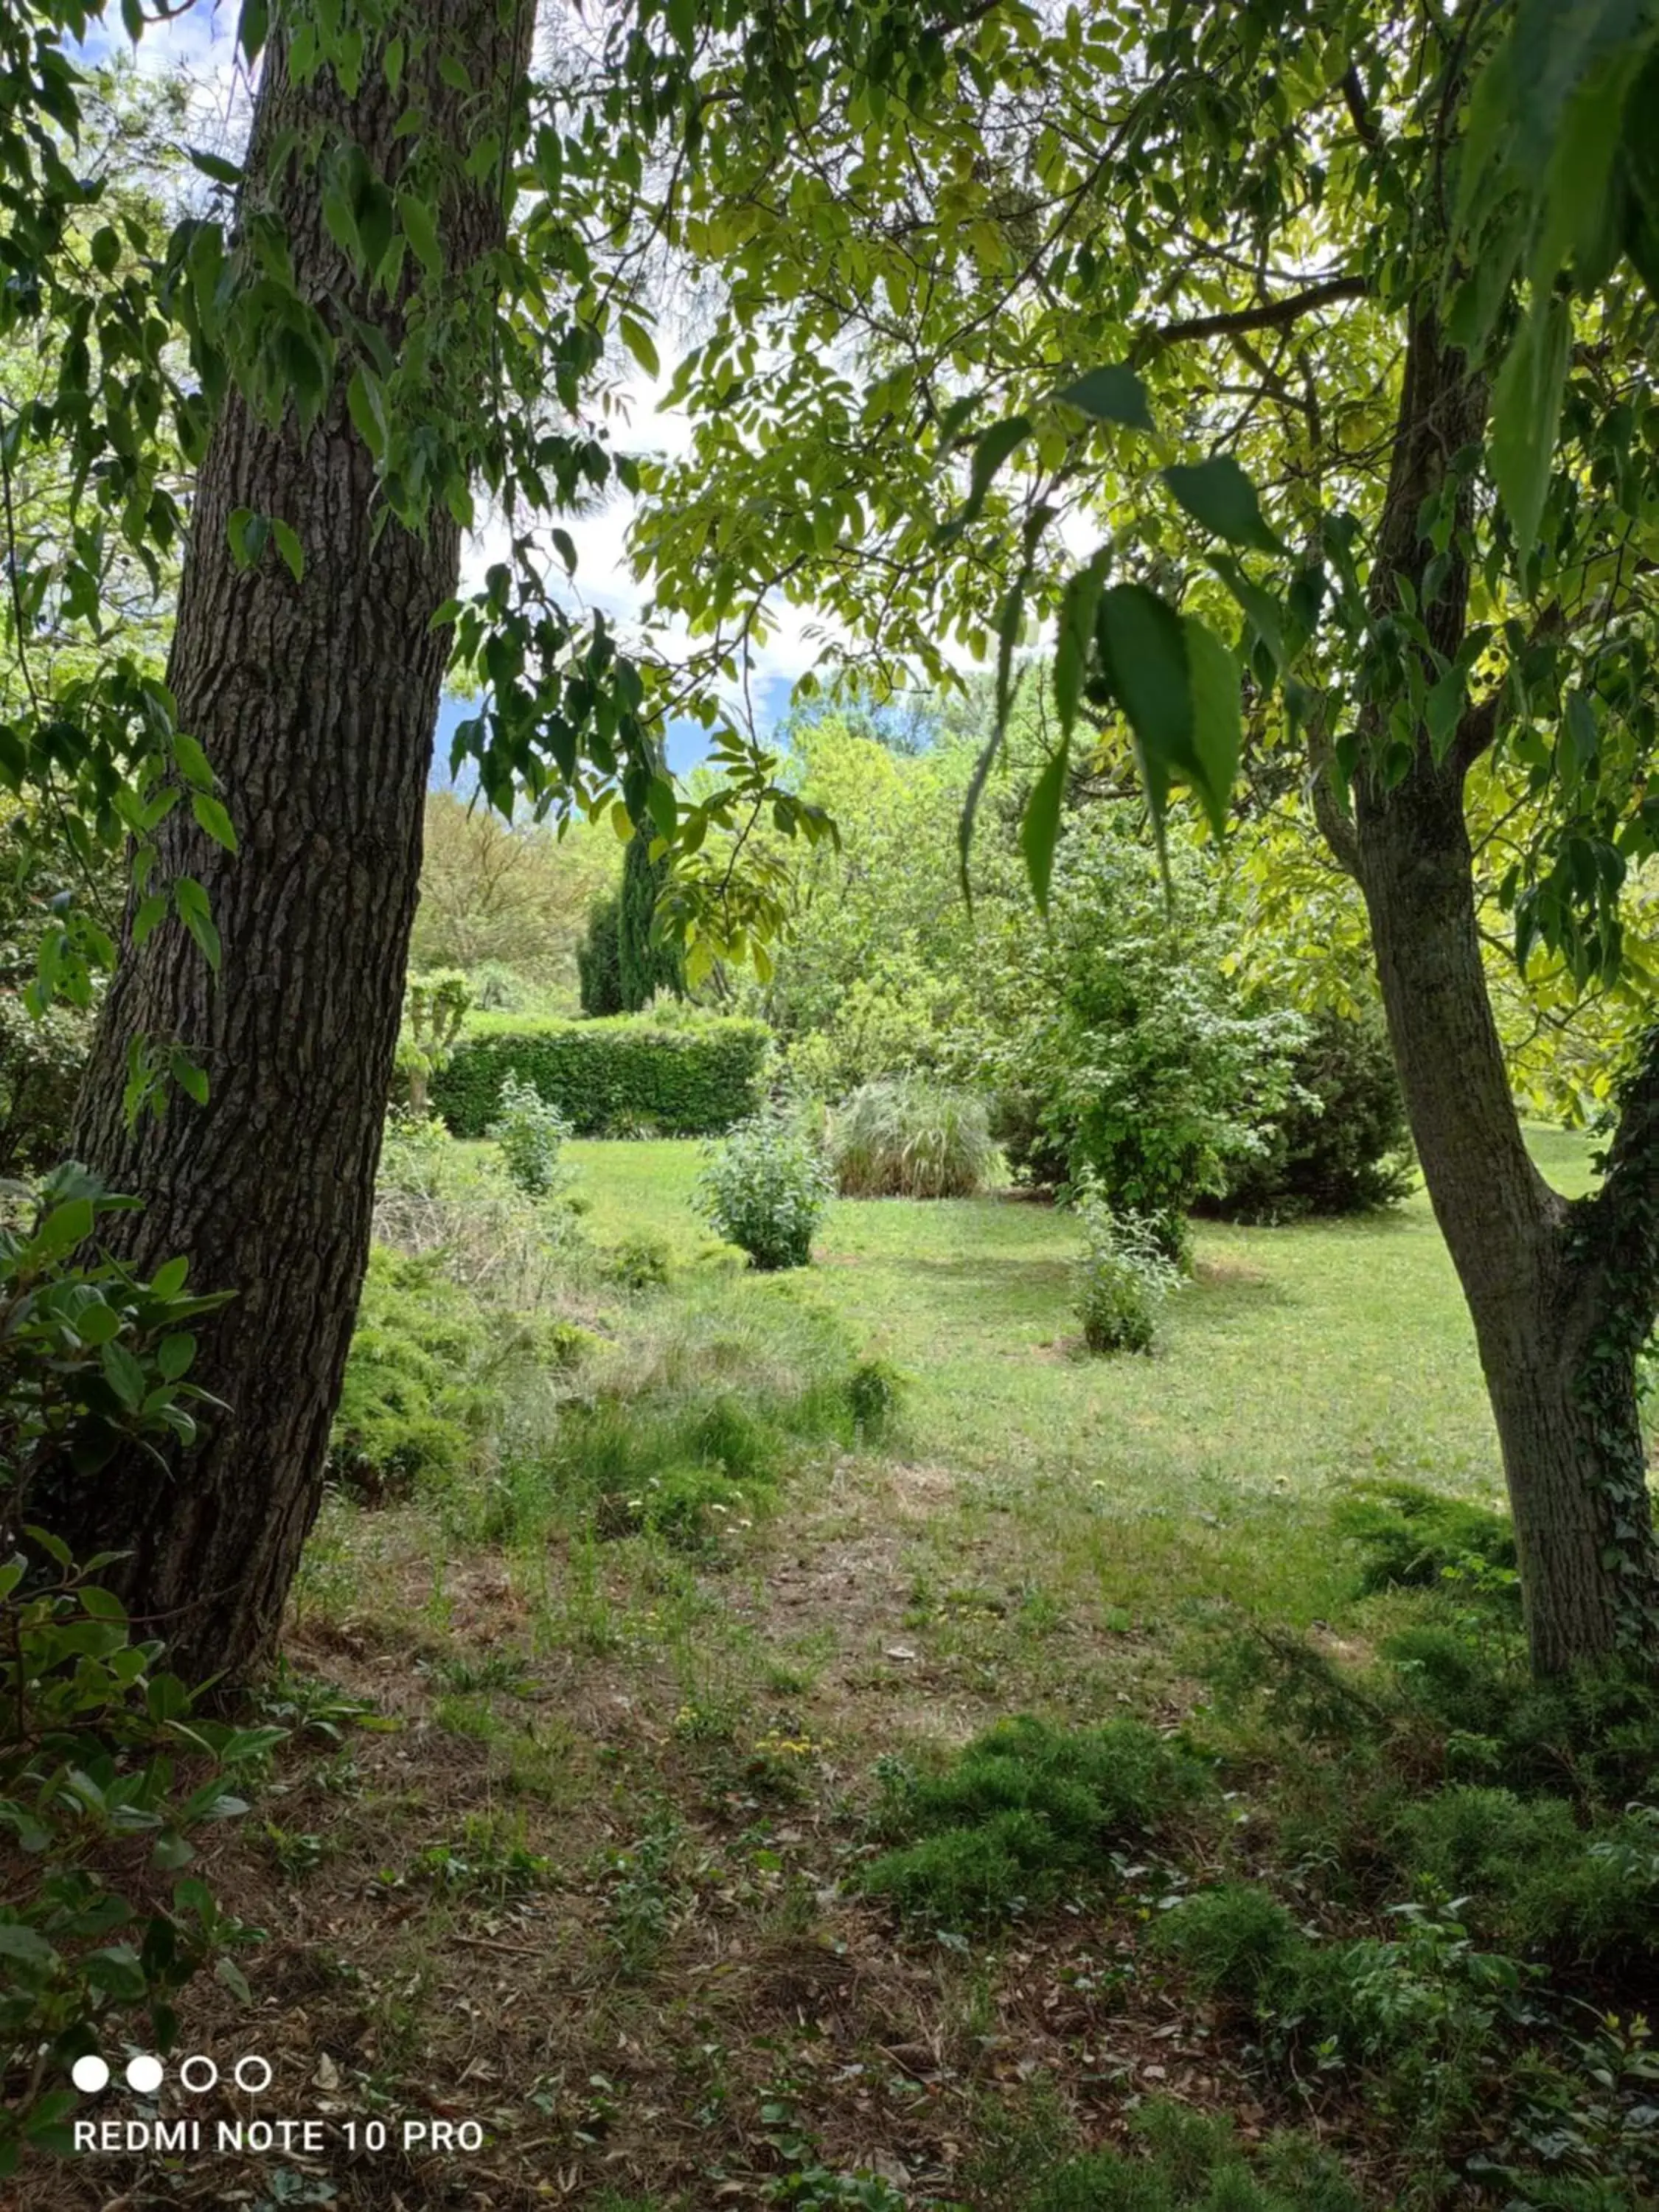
pixel 316 702
pixel 1561 1294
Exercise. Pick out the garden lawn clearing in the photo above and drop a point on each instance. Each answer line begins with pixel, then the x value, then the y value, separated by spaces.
pixel 569 1835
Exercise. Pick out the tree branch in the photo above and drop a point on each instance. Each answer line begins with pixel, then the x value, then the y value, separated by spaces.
pixel 1335 826
pixel 1272 315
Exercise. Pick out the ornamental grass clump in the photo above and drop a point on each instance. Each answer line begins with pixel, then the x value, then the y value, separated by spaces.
pixel 765 1186
pixel 909 1137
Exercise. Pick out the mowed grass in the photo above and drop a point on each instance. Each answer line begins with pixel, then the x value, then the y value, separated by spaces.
pixel 1299 1361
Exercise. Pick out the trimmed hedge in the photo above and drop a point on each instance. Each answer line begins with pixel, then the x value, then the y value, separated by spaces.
pixel 683 1076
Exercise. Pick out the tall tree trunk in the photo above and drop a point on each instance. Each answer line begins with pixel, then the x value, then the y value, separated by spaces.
pixel 1561 1294
pixel 315 702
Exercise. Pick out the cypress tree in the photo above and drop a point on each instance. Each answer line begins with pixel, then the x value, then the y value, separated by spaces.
pixel 644 969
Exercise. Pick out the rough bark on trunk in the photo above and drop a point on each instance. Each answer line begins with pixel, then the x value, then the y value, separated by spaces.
pixel 1561 1295
pixel 315 702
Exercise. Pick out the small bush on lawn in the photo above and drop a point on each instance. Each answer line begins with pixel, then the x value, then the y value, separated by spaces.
pixel 873 1393
pixel 1123 1279
pixel 639 1263
pixel 911 1137
pixel 1339 1143
pixel 1022 1814
pixel 531 1135
pixel 765 1188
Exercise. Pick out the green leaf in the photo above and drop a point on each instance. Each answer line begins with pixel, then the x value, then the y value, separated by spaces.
pixel 1217 721
pixel 1143 652
pixel 214 165
pixel 1039 828
pixel 254 27
pixel 173 1355
pixel 25 1945
pixel 991 451
pixel 1221 498
pixel 1526 407
pixel 191 903
pixel 638 340
pixel 248 532
pixel 191 762
pixel 1114 394
pixel 420 227
pixel 63 1228
pixel 1260 605
pixel 211 817
pixel 287 545
pixel 124 1375
pixel 1079 605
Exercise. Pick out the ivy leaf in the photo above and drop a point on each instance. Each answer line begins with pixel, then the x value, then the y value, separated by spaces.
pixel 1039 828
pixel 1114 394
pixel 1221 498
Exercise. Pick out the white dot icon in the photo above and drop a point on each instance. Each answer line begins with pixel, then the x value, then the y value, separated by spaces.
pixel 145 2074
pixel 89 2073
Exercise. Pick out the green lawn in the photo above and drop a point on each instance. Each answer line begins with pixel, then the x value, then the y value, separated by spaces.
pixel 1300 1360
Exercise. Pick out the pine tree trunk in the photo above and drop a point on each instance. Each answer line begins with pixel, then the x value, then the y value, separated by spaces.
pixel 1560 1294
pixel 316 702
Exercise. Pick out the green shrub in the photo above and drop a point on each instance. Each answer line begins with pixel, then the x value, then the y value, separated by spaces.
pixel 435 1007
pixel 1236 1941
pixel 765 1188
pixel 1533 1877
pixel 1340 1143
pixel 873 1392
pixel 911 1137
pixel 639 1263
pixel 412 1405
pixel 1193 2162
pixel 1134 1057
pixel 676 1074
pixel 1413 1538
pixel 1024 1811
pixel 106 1768
pixel 41 1059
pixel 530 1134
pixel 1123 1279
